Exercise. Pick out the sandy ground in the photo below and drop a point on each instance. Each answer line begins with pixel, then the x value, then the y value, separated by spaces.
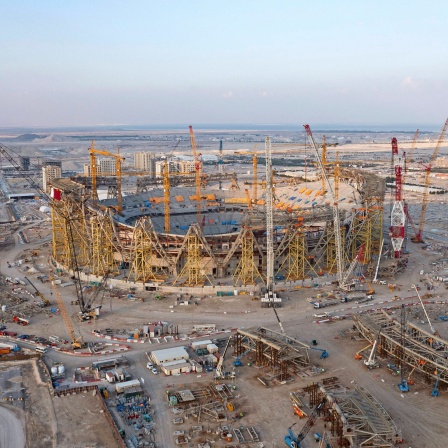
pixel 12 432
pixel 49 422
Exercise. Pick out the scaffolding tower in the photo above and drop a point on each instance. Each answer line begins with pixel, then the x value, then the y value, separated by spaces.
pixel 194 269
pixel 247 272
pixel 142 266
pixel 103 248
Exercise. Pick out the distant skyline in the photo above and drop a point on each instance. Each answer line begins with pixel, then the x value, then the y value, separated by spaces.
pixel 76 63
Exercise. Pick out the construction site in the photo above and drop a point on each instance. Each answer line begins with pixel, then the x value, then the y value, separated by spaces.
pixel 114 265
pixel 202 236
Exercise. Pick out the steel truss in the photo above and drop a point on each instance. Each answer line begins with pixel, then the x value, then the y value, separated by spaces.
pixel 195 267
pixel 296 263
pixel 422 351
pixel 359 420
pixel 281 353
pixel 144 266
pixel 246 271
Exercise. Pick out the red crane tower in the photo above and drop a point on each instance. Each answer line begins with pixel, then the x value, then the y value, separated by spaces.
pixel 398 214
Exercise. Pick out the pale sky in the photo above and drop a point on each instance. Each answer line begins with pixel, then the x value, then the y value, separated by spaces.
pixel 69 63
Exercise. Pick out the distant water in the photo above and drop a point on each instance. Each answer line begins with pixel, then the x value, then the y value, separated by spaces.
pixel 316 127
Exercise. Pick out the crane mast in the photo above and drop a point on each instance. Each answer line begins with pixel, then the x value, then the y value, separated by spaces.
pixel 410 154
pixel 198 171
pixel 220 167
pixel 324 161
pixel 419 236
pixel 398 214
pixel 336 220
pixel 166 194
pixel 269 219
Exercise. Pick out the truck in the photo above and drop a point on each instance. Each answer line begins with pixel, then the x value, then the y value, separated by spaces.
pixel 351 297
pixel 324 303
pixel 6 347
pixel 20 320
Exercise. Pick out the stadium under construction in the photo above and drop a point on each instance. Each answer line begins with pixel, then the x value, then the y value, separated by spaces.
pixel 191 232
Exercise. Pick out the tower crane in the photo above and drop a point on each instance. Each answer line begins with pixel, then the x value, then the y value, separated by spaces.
pixel 419 237
pixel 324 161
pixel 198 170
pixel 93 172
pixel 336 220
pixel 166 197
pixel 269 222
pixel 249 201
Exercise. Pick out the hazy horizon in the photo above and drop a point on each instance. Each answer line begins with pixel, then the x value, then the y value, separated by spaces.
pixel 71 64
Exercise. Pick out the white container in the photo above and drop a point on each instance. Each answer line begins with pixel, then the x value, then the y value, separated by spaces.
pixel 235 292
pixel 3 308
pixel 61 369
pixel 54 370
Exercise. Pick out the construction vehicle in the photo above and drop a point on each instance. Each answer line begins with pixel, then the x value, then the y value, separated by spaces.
pixel 237 362
pixel 323 354
pixel 433 330
pixel 358 355
pixel 371 362
pixel 419 237
pixel 45 301
pixel 435 390
pixel 219 373
pixel 403 385
pixel 20 320
pixel 76 342
pixel 293 441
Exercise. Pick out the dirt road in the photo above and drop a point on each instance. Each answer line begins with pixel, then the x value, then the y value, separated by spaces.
pixel 12 434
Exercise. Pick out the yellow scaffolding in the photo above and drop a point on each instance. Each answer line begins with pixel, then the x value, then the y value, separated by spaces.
pixel 194 269
pixel 61 252
pixel 247 272
pixel 142 267
pixel 147 259
pixel 103 249
pixel 296 263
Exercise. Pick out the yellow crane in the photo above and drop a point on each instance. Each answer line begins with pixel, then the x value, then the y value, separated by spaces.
pixel 198 171
pixel 419 237
pixel 77 342
pixel 249 201
pixel 93 172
